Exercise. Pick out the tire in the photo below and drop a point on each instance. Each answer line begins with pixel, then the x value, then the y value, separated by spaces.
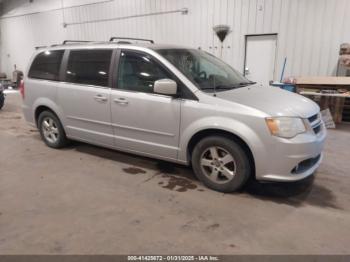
pixel 221 163
pixel 2 99
pixel 51 130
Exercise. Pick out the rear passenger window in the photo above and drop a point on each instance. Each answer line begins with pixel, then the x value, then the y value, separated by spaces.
pixel 46 65
pixel 89 67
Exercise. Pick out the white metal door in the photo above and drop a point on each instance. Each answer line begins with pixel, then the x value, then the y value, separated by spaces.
pixel 260 58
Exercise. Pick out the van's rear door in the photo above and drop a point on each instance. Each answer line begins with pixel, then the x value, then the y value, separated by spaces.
pixel 84 95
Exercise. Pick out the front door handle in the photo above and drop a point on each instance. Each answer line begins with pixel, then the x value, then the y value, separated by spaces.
pixel 100 98
pixel 121 101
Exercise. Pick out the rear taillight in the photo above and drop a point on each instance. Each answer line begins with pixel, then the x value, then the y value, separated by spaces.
pixel 21 88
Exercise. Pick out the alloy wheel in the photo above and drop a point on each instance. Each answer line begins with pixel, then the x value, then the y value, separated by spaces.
pixel 50 130
pixel 218 164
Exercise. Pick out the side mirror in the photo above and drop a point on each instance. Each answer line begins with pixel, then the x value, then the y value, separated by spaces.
pixel 165 87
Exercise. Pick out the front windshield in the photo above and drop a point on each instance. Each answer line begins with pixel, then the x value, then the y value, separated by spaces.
pixel 205 70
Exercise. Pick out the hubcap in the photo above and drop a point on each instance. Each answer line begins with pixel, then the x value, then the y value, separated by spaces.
pixel 50 130
pixel 218 165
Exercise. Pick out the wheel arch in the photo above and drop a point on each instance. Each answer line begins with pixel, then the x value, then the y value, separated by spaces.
pixel 43 103
pixel 213 131
pixel 40 109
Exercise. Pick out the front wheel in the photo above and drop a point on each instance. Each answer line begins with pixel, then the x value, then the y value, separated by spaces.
pixel 51 130
pixel 221 163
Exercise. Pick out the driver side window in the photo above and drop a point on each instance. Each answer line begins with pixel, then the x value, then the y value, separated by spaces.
pixel 138 72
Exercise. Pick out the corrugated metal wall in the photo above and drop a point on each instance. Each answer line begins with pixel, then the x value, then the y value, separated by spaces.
pixel 309 31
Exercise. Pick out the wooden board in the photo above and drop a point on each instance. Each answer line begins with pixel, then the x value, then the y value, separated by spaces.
pixel 323 80
pixel 345 95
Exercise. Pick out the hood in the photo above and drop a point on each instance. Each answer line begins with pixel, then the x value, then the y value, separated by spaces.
pixel 271 100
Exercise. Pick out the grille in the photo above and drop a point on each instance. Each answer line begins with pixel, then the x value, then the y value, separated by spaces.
pixel 313 118
pixel 316 123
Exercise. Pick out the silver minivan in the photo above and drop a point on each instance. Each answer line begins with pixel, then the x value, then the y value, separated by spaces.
pixel 176 104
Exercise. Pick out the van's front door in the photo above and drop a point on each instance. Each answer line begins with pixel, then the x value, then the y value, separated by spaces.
pixel 85 96
pixel 144 122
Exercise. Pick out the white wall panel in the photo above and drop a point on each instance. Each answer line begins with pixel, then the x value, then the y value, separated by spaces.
pixel 309 31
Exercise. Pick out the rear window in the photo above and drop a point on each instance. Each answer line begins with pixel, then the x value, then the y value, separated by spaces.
pixel 46 65
pixel 89 67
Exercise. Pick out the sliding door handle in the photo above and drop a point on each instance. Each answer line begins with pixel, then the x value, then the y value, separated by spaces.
pixel 121 101
pixel 100 98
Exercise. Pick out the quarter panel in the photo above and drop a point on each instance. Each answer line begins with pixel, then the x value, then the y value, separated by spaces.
pixel 39 93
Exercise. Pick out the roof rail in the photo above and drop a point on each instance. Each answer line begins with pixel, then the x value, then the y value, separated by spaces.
pixel 74 41
pixel 39 47
pixel 124 42
pixel 130 38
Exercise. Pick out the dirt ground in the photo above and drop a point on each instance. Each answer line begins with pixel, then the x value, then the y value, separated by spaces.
pixel 89 200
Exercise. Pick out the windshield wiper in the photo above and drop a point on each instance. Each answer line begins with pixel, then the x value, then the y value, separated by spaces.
pixel 228 87
pixel 245 84
pixel 219 87
pixel 242 84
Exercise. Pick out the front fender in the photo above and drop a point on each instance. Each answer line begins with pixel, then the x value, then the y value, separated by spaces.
pixel 230 125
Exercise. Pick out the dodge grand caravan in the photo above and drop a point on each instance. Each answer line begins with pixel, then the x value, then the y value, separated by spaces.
pixel 176 104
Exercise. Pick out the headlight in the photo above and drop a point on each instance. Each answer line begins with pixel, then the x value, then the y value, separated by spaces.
pixel 286 127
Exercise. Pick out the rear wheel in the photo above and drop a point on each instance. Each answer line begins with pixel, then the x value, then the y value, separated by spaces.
pixel 221 163
pixel 51 130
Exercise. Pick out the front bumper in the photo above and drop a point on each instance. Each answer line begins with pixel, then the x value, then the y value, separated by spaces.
pixel 293 177
pixel 288 160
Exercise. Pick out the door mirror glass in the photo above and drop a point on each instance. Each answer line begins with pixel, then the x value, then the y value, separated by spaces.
pixel 165 87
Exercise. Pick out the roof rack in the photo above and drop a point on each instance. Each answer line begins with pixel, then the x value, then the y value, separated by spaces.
pixel 129 38
pixel 74 41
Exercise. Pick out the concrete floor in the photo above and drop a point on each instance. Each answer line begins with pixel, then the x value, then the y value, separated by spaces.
pixel 85 199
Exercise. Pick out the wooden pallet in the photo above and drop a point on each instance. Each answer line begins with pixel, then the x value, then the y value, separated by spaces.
pixel 333 102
